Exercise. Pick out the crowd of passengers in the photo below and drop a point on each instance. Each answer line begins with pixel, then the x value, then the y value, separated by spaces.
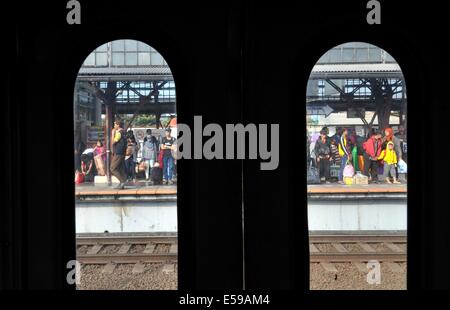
pixel 157 164
pixel 379 153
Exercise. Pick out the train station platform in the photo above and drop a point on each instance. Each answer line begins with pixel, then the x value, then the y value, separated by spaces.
pixel 137 208
pixel 370 188
pixel 138 190
pixel 371 191
pixel 373 207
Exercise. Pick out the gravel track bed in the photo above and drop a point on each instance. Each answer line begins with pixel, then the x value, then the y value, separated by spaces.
pixel 349 277
pixel 92 278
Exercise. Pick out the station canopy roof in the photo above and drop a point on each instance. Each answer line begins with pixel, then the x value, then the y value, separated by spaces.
pixel 136 73
pixel 356 70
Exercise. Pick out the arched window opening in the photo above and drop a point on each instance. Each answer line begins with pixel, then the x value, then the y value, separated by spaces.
pixel 356 109
pixel 125 170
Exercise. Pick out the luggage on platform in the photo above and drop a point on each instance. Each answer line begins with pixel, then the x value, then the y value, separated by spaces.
pixel 313 176
pixel 348 180
pixel 349 171
pixel 79 177
pixel 360 179
pixel 402 166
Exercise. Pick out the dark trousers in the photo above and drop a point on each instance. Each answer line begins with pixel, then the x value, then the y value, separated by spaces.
pixel 373 165
pixel 118 167
pixel 324 168
pixel 130 168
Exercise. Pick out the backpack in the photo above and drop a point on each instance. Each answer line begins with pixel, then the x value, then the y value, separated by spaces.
pixel 121 146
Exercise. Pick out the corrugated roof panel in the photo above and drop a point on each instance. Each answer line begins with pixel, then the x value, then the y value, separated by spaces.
pixel 151 70
pixel 333 68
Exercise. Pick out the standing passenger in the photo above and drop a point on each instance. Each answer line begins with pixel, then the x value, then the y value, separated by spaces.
pixel 344 152
pixel 389 157
pixel 372 150
pixel 100 150
pixel 401 135
pixel 166 146
pixel 118 156
pixel 335 153
pixel 323 156
pixel 135 157
pixel 327 132
pixel 149 153
pixel 389 136
pixel 337 136
pixel 129 158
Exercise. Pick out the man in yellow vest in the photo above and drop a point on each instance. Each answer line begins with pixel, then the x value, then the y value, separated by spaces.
pixel 344 152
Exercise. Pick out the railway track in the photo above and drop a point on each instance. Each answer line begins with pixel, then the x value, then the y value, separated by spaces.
pixel 324 249
pixel 127 250
pixel 358 249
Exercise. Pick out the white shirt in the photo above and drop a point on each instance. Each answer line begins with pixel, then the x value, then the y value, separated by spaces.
pixel 89 150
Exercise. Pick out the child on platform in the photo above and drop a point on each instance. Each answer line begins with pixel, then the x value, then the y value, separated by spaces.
pixel 389 157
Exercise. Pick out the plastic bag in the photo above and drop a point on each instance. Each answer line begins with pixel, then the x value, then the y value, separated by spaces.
pixel 79 177
pixel 402 166
pixel 349 171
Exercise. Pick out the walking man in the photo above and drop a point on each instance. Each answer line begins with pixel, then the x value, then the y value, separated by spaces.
pixel 118 155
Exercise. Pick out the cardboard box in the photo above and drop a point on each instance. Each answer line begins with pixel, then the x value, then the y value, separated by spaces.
pixel 360 179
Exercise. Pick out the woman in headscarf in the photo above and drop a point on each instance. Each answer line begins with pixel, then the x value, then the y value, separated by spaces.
pixel 389 136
